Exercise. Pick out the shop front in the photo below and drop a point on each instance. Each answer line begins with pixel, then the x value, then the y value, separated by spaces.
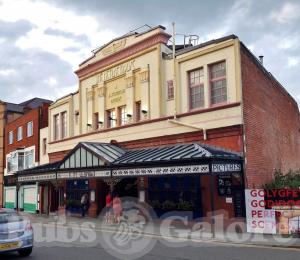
pixel 19 196
pixel 190 179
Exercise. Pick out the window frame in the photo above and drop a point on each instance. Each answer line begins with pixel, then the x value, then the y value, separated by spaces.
pixel 122 116
pixel 44 148
pixel 11 137
pixel 56 132
pixel 19 133
pixel 96 121
pixel 28 124
pixel 64 124
pixel 215 80
pixel 138 111
pixel 170 86
pixel 20 156
pixel 190 87
pixel 110 123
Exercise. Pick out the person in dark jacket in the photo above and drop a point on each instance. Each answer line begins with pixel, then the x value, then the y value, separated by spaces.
pixel 84 204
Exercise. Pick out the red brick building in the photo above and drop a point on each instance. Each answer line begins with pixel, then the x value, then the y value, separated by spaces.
pixel 22 147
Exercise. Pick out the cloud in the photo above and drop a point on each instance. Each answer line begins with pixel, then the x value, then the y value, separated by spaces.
pixel 288 13
pixel 293 61
pixel 65 31
pixel 7 72
pixel 23 71
pixel 13 30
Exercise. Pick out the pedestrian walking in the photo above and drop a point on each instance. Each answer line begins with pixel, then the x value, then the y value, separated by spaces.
pixel 84 204
pixel 117 207
pixel 108 207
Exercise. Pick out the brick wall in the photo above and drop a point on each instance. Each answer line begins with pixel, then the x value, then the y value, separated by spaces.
pixel 57 156
pixel 39 117
pixel 227 137
pixel 2 123
pixel 271 124
pixel 32 115
pixel 44 115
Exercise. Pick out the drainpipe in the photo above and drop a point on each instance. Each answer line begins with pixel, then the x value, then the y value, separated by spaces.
pixel 175 121
pixel 174 69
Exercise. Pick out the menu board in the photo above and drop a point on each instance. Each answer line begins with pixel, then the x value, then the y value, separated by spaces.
pixel 238 203
pixel 224 185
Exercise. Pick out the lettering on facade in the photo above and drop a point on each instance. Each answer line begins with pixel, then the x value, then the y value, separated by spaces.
pixel 116 95
pixel 116 71
pixel 51 176
pixel 228 167
pixel 116 46
pixel 259 219
pixel 85 175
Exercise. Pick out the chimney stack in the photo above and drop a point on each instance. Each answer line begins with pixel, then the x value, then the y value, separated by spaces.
pixel 261 59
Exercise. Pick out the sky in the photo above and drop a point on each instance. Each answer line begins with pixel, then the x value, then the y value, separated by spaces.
pixel 42 42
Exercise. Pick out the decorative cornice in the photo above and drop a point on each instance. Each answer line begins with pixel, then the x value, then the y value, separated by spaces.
pixel 124 53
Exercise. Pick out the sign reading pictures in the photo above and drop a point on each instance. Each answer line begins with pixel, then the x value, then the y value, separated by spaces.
pixel 191 169
pixel 226 167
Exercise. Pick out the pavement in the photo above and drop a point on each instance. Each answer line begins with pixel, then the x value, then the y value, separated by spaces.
pixel 192 232
pixel 80 239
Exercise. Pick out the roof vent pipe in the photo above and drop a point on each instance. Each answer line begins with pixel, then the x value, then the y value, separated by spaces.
pixel 261 59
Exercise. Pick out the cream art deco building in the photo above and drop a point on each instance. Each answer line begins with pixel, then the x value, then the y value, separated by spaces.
pixel 187 130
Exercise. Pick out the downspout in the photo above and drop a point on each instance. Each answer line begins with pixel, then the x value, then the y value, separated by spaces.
pixel 174 70
pixel 149 100
pixel 174 120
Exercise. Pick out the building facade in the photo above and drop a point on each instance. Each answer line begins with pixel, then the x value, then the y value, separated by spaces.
pixel 22 151
pixel 8 112
pixel 135 94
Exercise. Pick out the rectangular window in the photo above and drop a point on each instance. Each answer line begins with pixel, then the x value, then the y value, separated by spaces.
pixel 21 161
pixel 196 85
pixel 111 118
pixel 12 162
pixel 44 146
pixel 96 121
pixel 29 129
pixel 76 117
pixel 218 83
pixel 63 125
pixel 29 160
pixel 20 133
pixel 170 89
pixel 56 127
pixel 10 137
pixel 138 111
pixel 122 115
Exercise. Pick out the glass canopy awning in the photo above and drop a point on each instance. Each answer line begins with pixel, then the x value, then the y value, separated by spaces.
pixel 103 160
